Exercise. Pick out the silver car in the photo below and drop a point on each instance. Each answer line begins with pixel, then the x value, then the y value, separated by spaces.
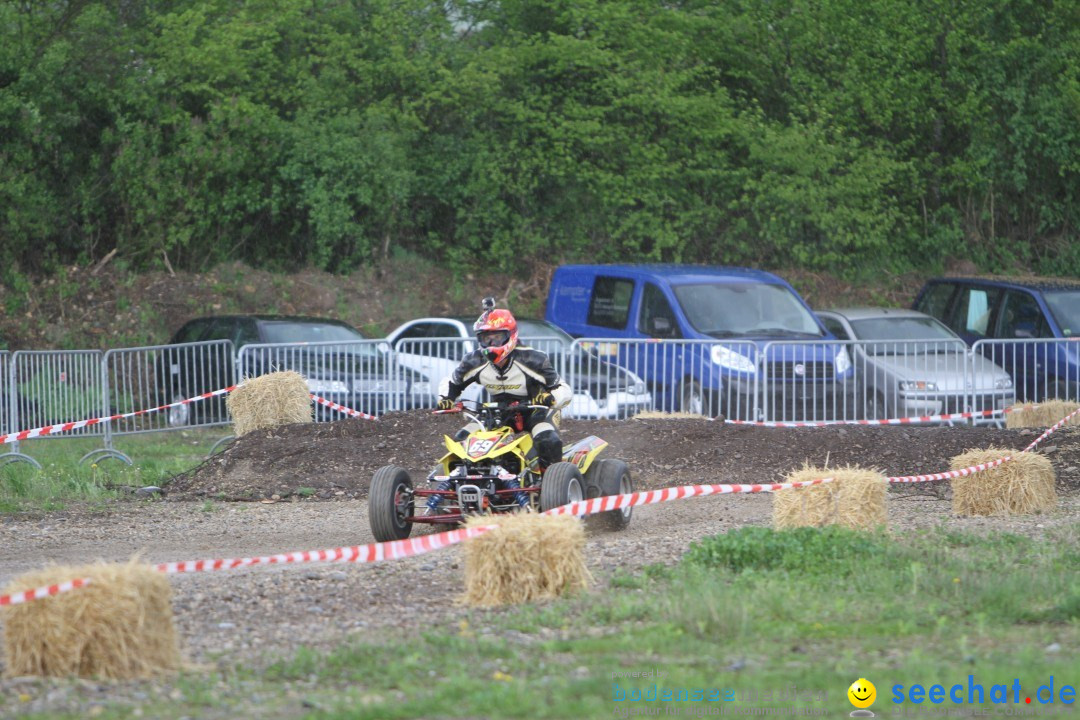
pixel 908 364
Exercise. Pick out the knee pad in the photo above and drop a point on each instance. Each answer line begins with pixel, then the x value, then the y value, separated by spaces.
pixel 548 446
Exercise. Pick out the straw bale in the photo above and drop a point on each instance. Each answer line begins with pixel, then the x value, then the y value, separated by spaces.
pixel 854 499
pixel 278 398
pixel 1022 486
pixel 120 626
pixel 528 558
pixel 1042 415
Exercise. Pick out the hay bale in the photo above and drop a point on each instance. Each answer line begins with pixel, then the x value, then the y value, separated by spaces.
pixel 1041 415
pixel 529 557
pixel 120 626
pixel 278 398
pixel 1022 486
pixel 854 499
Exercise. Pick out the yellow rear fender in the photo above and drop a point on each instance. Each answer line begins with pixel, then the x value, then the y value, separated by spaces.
pixel 584 451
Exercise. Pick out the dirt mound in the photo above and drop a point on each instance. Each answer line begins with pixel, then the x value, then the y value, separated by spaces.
pixel 336 460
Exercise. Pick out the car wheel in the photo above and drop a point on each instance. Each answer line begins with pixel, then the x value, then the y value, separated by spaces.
pixel 695 400
pixel 561 484
pixel 390 504
pixel 876 407
pixel 605 477
pixel 1062 390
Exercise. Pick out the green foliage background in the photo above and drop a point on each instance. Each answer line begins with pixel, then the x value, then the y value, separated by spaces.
pixel 832 134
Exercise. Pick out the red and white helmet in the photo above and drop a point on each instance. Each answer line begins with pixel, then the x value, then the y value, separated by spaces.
pixel 496 332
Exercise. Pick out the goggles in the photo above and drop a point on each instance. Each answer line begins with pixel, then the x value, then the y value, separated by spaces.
pixel 493 338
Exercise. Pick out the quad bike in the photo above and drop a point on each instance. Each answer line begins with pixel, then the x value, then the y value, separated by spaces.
pixel 486 471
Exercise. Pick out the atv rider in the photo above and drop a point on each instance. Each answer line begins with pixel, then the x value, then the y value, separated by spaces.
pixel 510 374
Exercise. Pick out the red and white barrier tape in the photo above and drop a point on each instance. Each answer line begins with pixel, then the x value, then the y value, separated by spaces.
pixel 890 421
pixel 1056 426
pixel 341 408
pixel 65 427
pixel 370 553
pixel 985 466
pixel 75 425
pixel 963 472
pixel 396 549
pixel 617 502
pixel 41 592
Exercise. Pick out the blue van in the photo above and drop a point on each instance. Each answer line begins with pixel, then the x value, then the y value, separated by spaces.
pixel 724 319
pixel 1029 326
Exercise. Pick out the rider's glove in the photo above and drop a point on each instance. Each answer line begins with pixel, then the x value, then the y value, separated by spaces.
pixel 445 404
pixel 543 398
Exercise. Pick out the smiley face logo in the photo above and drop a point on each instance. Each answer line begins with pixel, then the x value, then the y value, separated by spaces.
pixel 862 693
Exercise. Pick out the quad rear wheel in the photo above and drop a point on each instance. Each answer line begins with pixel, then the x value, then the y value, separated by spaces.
pixel 390 504
pixel 609 476
pixel 562 484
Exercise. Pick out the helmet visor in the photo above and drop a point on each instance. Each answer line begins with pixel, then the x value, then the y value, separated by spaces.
pixel 493 338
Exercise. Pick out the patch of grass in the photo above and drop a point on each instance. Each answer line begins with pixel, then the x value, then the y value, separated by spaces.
pixel 63 479
pixel 831 550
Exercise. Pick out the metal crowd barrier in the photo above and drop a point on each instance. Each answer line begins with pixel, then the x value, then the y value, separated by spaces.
pixel 146 377
pixel 700 377
pixel 54 386
pixel 1041 369
pixel 918 378
pixel 5 394
pixel 806 381
pixel 363 375
pixel 611 379
pixel 601 389
pixel 9 453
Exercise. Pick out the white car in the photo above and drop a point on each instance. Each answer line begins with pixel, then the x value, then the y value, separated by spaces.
pixel 433 346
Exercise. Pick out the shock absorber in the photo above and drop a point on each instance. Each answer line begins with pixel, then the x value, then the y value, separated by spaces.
pixel 435 501
pixel 521 498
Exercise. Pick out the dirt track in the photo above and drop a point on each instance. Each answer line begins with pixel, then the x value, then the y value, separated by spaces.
pixel 251 615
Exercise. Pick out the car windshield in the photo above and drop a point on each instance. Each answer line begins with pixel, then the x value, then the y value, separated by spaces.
pixel 905 335
pixel 1065 307
pixel 733 309
pixel 296 331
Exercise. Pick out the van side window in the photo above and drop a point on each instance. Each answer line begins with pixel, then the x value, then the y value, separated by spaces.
pixel 974 311
pixel 1021 317
pixel 610 304
pixel 935 301
pixel 657 318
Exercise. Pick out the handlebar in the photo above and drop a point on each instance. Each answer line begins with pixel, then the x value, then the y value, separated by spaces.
pixel 497 411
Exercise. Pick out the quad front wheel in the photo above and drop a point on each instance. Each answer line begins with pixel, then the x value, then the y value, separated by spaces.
pixel 390 504
pixel 609 476
pixel 562 484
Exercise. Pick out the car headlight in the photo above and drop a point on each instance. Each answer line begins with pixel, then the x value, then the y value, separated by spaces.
pixel 843 362
pixel 725 357
pixel 920 385
pixel 638 388
pixel 327 386
pixel 1003 383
